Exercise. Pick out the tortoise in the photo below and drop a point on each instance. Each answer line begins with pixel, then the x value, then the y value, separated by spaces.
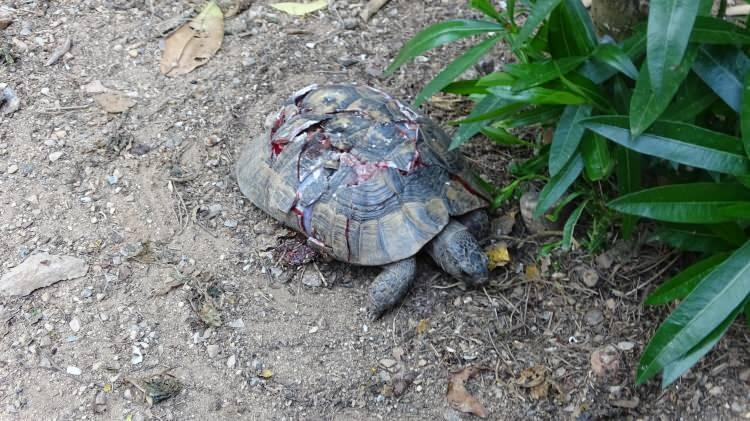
pixel 370 182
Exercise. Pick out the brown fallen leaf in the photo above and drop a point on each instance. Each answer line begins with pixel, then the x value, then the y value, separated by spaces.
pixel 194 43
pixel 535 379
pixel 459 398
pixel 113 102
pixel 532 273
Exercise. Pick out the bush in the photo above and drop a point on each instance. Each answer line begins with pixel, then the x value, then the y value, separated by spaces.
pixel 673 98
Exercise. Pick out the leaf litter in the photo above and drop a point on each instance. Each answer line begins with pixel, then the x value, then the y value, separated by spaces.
pixel 194 43
pixel 300 9
pixel 459 398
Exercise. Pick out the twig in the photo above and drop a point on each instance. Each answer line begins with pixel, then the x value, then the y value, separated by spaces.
pixel 322 278
pixel 64 109
pixel 371 8
pixel 60 51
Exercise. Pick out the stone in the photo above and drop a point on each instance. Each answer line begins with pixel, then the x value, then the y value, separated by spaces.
pixel 41 270
pixel 54 156
pixel 212 351
pixel 75 324
pixel 75 371
pixel 593 317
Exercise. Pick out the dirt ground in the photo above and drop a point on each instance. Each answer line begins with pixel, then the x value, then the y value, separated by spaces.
pixel 148 200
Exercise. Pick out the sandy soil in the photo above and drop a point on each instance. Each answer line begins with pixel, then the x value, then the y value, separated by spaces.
pixel 148 200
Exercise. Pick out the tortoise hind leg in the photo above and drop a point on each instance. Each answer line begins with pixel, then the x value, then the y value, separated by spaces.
pixel 390 286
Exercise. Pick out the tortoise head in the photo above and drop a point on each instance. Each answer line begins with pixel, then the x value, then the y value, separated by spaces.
pixel 470 262
pixel 459 254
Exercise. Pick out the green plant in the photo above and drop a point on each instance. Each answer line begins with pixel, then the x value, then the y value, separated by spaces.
pixel 673 98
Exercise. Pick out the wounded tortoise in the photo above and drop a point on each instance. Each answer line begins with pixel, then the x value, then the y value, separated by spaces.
pixel 371 182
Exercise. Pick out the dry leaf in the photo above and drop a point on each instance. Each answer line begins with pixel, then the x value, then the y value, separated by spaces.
pixel 299 9
pixel 498 255
pixel 535 379
pixel 113 102
pixel 371 8
pixel 422 326
pixel 194 43
pixel 209 314
pixel 459 398
pixel 532 272
pixel 5 22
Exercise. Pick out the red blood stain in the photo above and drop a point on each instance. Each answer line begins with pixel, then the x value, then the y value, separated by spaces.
pixel 466 185
pixel 277 145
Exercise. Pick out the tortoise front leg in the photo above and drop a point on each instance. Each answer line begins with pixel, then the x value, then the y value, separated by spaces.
pixel 390 286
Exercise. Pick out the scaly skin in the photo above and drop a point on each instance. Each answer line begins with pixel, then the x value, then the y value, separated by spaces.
pixel 390 286
pixel 458 253
pixel 455 249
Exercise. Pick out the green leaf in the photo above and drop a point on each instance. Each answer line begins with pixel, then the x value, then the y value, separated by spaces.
pixel 537 95
pixel 628 171
pixel 708 305
pixel 677 142
pixel 502 111
pixel 455 69
pixel 466 131
pixel 496 79
pixel 464 87
pixel 621 95
pixel 486 7
pixel 567 137
pixel 669 25
pixel 440 34
pixel 634 47
pixel 597 160
pixel 710 30
pixel 558 184
pixel 691 238
pixel 678 367
pixel 537 73
pixel 538 13
pixel 545 114
pixel 745 114
pixel 614 57
pixel 680 285
pixel 502 137
pixel 588 90
pixel 570 225
pixel 694 203
pixel 691 99
pixel 648 103
pixel 731 233
pixel 723 69
pixel 571 32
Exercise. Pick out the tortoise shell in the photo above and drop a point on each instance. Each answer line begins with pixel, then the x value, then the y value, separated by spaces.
pixel 357 172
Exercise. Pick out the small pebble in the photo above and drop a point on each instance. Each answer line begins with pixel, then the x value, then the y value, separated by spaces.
pixel 237 324
pixel 230 223
pixel 75 324
pixel 54 156
pixel 73 370
pixel 593 317
pixel 231 361
pixel 212 350
pixel 625 346
pixel 12 169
